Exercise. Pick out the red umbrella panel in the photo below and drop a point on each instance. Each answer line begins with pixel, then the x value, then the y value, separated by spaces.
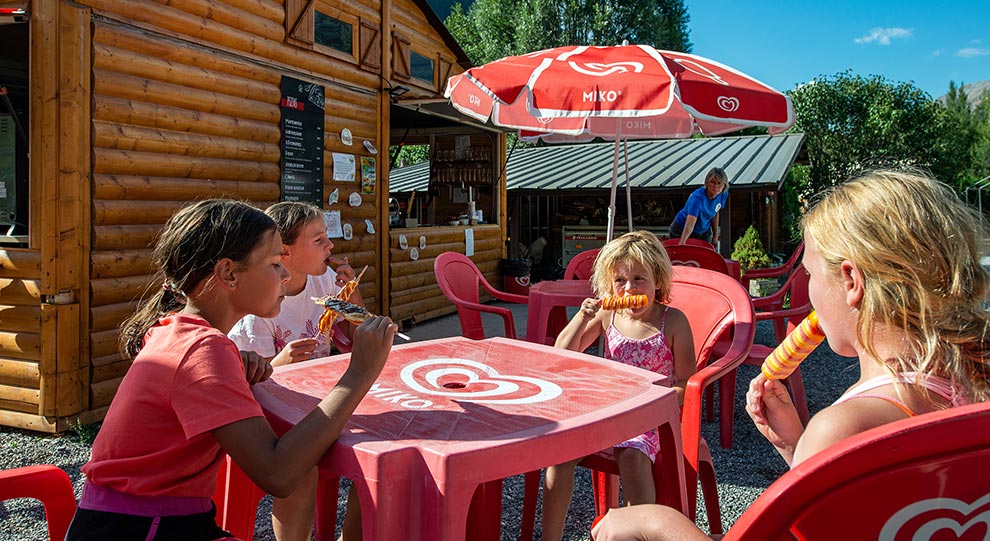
pixel 620 92
pixel 577 90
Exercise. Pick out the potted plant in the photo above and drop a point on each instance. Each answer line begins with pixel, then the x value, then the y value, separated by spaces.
pixel 749 252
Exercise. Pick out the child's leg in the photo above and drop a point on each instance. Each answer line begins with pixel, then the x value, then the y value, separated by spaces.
pixel 292 517
pixel 557 490
pixel 351 530
pixel 636 474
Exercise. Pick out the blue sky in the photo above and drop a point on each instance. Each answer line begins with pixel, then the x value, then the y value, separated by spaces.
pixel 784 44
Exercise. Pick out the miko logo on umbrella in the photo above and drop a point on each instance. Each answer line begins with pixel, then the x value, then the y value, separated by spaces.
pixel 728 104
pixel 598 69
pixel 472 381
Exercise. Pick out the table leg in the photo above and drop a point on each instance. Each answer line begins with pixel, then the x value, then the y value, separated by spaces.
pixel 556 323
pixel 485 514
pixel 326 508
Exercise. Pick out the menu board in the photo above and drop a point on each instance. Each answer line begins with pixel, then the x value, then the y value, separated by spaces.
pixel 301 166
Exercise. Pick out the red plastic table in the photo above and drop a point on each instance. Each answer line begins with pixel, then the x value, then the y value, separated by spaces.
pixel 545 316
pixel 447 416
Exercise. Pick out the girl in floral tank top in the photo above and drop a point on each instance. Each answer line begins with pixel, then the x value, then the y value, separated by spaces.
pixel 654 337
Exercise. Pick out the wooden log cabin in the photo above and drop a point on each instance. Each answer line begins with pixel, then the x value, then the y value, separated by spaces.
pixel 116 113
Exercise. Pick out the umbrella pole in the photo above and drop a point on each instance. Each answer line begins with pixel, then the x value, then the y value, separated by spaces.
pixel 625 155
pixel 615 183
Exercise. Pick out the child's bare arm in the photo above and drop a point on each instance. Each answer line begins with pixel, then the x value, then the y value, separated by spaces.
pixel 583 329
pixel 277 465
pixel 295 351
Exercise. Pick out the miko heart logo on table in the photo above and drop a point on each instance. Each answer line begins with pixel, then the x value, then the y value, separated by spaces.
pixel 938 519
pixel 471 381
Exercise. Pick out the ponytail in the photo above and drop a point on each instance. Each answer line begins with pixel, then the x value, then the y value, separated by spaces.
pixel 187 250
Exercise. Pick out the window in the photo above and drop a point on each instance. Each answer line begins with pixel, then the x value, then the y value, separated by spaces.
pixel 421 67
pixel 14 132
pixel 334 33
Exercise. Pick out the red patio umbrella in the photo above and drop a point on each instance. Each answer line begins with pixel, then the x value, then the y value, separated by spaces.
pixel 622 92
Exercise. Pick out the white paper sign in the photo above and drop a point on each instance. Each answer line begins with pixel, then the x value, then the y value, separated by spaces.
pixel 469 242
pixel 343 166
pixel 331 219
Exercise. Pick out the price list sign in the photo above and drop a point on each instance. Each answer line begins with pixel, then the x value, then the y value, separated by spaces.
pixel 302 108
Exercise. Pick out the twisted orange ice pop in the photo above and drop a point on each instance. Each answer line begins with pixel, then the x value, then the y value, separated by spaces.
pixel 629 301
pixel 802 341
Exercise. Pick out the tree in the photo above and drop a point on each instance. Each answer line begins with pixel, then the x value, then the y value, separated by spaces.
pixel 492 29
pixel 853 122
pixel 964 128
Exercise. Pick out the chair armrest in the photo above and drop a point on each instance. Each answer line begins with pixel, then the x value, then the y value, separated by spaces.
pixel 694 391
pixel 771 302
pixel 504 296
pixel 504 313
pixel 782 314
pixel 772 272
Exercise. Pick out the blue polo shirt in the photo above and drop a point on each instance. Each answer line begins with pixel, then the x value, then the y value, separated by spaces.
pixel 700 206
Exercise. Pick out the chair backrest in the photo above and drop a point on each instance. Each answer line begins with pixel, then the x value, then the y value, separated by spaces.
pixel 796 287
pixel 795 257
pixel 459 280
pixel 919 478
pixel 691 241
pixel 47 483
pixel 799 294
pixel 714 303
pixel 580 265
pixel 696 256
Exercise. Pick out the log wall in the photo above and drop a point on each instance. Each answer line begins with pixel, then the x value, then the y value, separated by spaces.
pixel 139 107
pixel 184 112
pixel 415 295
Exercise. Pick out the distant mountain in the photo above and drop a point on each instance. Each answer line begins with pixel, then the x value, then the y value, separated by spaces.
pixel 974 92
pixel 442 7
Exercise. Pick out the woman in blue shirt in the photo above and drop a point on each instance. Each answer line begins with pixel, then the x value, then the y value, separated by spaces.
pixel 699 217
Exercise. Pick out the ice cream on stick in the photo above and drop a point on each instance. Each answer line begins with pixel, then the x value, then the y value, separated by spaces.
pixel 798 344
pixel 348 289
pixel 350 312
pixel 628 301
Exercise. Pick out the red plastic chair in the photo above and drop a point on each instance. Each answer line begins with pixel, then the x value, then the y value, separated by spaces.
pixel 716 305
pixel 783 270
pixel 784 321
pixel 47 483
pixel 237 498
pixel 698 257
pixel 690 242
pixel 460 281
pixel 580 265
pixel 918 478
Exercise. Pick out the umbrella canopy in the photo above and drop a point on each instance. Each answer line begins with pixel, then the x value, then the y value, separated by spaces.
pixel 621 92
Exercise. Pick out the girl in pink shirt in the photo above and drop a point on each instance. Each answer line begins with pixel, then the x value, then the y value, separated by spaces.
pixel 186 401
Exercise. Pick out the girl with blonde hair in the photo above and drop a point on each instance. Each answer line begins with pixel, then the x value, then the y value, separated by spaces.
pixel 896 280
pixel 655 337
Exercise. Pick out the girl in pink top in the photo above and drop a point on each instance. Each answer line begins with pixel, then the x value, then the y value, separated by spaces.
pixel 655 337
pixel 896 280
pixel 186 401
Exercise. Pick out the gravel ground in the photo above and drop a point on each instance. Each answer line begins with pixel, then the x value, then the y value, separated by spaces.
pixel 743 471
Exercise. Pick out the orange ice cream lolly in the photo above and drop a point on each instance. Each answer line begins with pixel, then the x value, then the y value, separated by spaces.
pixel 629 301
pixel 802 341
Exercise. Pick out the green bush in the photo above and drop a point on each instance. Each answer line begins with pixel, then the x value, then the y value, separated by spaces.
pixel 748 251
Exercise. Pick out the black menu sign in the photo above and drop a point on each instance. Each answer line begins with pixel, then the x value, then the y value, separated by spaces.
pixel 302 141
